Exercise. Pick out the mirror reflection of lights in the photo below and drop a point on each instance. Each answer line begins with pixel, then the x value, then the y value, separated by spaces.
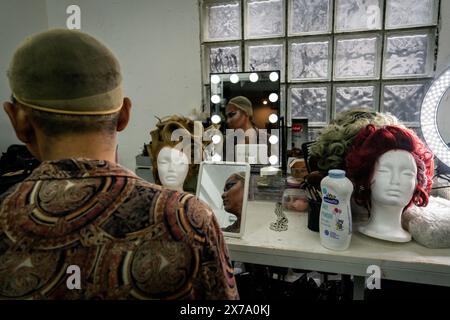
pixel 264 102
pixel 253 77
pixel 273 76
pixel 215 79
pixel 216 139
pixel 273 118
pixel 216 119
pixel 215 99
pixel 216 157
pixel 234 78
pixel 428 117
pixel 273 160
pixel 273 97
pixel 273 139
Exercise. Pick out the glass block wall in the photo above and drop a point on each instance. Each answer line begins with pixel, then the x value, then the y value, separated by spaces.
pixel 334 55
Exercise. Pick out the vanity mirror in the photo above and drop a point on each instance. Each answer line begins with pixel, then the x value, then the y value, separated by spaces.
pixel 224 187
pixel 434 117
pixel 249 101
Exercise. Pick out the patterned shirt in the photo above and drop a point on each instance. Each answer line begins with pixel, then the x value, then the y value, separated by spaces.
pixel 124 237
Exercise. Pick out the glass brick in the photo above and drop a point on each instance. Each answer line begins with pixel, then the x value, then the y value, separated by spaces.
pixel 310 60
pixel 223 21
pixel 265 57
pixel 410 13
pixel 404 101
pixel 355 96
pixel 264 18
pixel 310 102
pixel 357 58
pixel 407 55
pixel 225 59
pixel 309 17
pixel 357 15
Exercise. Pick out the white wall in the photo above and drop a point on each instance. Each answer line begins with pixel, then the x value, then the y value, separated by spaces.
pixel 18 18
pixel 158 45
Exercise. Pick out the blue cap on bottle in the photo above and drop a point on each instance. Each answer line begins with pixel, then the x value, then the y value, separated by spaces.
pixel 336 173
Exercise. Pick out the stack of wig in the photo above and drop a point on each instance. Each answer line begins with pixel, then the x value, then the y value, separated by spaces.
pixel 331 147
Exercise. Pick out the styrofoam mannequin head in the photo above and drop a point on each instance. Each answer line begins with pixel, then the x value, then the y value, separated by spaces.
pixel 394 179
pixel 391 169
pixel 392 188
pixel 173 167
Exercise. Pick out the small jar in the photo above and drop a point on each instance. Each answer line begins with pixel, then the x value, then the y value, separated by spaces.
pixel 270 177
pixel 295 200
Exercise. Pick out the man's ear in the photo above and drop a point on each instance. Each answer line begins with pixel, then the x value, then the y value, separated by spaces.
pixel 20 122
pixel 124 114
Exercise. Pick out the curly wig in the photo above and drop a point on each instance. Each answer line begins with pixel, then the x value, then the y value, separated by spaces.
pixel 370 144
pixel 162 137
pixel 331 147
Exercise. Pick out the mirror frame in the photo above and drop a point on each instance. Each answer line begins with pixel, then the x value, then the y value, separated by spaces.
pixel 246 190
pixel 428 117
pixel 216 108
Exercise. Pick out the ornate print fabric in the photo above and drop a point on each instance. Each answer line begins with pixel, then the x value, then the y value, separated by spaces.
pixel 130 239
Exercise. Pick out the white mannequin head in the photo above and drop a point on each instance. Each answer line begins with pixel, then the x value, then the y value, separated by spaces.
pixel 173 167
pixel 394 179
pixel 392 187
pixel 391 169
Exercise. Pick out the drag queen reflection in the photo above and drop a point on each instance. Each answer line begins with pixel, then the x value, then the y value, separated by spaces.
pixel 233 198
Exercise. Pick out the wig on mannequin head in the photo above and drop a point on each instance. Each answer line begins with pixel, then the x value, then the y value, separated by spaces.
pixel 370 144
pixel 161 137
pixel 334 141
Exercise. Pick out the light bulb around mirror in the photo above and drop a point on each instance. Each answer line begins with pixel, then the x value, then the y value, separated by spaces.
pixel 216 139
pixel 216 119
pixel 273 160
pixel 273 139
pixel 216 157
pixel 215 99
pixel 273 76
pixel 273 97
pixel 234 78
pixel 273 118
pixel 215 79
pixel 253 77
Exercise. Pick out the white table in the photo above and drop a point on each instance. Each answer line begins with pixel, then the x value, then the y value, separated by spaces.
pixel 298 247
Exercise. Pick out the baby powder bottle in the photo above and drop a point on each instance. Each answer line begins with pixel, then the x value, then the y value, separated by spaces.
pixel 335 224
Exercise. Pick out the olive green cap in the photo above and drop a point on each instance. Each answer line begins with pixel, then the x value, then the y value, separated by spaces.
pixel 67 72
pixel 243 104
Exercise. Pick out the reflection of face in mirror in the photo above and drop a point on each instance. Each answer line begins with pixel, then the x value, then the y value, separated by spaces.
pixel 239 113
pixel 173 167
pixel 443 114
pixel 224 186
pixel 233 198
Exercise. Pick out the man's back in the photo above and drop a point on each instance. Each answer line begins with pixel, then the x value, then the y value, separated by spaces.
pixel 130 239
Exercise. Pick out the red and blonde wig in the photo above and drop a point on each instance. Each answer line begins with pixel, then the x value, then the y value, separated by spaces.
pixel 370 144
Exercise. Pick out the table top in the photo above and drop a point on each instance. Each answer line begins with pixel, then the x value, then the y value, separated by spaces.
pixel 298 247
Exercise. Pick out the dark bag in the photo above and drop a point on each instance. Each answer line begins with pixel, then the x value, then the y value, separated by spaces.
pixel 15 166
